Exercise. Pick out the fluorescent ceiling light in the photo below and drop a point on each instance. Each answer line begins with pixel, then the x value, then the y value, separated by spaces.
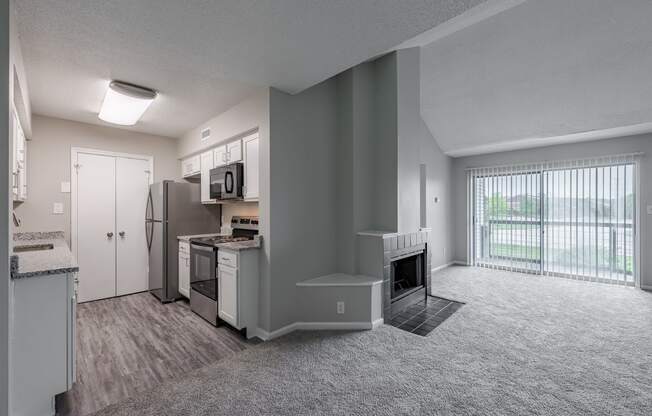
pixel 125 104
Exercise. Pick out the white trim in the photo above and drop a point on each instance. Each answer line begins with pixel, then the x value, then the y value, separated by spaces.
pixel 468 18
pixel 341 280
pixel 74 152
pixel 380 234
pixel 533 142
pixel 442 267
pixel 460 263
pixel 317 326
pixel 646 287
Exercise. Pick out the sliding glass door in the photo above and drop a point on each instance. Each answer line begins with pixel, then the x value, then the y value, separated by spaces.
pixel 572 220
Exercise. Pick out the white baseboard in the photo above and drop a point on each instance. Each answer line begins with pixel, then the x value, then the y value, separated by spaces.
pixel 646 287
pixel 378 322
pixel 316 326
pixel 460 263
pixel 443 266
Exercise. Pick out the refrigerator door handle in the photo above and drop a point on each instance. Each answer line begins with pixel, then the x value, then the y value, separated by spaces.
pixel 149 209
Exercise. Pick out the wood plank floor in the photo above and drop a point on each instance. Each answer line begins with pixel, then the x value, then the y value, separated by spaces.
pixel 130 344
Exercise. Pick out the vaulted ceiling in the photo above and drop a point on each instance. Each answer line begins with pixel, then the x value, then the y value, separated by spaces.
pixel 204 56
pixel 542 72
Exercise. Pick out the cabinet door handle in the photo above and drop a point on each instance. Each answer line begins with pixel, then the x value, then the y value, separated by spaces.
pixel 121 233
pixel 109 234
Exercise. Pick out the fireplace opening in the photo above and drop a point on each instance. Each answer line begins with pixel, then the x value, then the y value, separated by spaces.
pixel 407 276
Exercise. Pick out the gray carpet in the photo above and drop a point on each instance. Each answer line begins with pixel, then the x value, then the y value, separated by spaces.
pixel 521 345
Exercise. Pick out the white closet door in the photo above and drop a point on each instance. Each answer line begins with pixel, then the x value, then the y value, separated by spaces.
pixel 96 226
pixel 132 185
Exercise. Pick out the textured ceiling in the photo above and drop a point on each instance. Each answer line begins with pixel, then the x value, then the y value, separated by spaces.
pixel 540 73
pixel 204 56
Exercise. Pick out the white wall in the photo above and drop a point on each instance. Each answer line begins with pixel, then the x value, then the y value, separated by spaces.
pixel 622 145
pixel 249 115
pixel 48 164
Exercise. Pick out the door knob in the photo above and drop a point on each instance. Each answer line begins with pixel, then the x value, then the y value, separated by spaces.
pixel 109 234
pixel 121 233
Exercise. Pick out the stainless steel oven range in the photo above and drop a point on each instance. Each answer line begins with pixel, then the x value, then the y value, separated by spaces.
pixel 203 266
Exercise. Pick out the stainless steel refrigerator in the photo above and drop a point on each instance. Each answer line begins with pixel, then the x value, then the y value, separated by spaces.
pixel 173 209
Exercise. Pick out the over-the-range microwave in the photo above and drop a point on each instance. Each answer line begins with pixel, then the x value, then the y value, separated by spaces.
pixel 226 182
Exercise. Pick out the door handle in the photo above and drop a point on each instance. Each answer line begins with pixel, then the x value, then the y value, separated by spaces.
pixel 109 234
pixel 121 233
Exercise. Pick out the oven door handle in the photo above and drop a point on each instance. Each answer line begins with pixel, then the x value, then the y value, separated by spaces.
pixel 201 248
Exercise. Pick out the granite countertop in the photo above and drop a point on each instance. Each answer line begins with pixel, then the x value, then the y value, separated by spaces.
pixel 58 260
pixel 242 245
pixel 188 237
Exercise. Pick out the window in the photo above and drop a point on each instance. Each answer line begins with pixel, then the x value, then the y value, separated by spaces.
pixel 572 219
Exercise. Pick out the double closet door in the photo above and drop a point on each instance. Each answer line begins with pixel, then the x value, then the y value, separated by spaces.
pixel 109 202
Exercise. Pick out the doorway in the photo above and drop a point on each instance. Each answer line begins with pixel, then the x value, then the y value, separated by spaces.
pixel 109 196
pixel 570 219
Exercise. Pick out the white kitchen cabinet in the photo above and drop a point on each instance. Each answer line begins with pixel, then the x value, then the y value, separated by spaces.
pixel 19 172
pixel 207 163
pixel 228 153
pixel 184 268
pixel 228 294
pixel 237 279
pixel 251 167
pixel 234 151
pixel 43 310
pixel 191 166
pixel 220 156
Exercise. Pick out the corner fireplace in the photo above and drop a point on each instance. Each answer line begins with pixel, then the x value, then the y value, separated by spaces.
pixel 407 280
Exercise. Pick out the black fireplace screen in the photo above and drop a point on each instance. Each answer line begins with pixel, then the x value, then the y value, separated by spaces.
pixel 407 276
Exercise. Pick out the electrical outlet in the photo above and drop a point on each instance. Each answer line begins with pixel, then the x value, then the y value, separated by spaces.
pixel 340 308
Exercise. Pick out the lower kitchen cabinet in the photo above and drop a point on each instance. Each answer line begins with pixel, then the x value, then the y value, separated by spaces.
pixel 184 268
pixel 43 314
pixel 238 289
pixel 228 294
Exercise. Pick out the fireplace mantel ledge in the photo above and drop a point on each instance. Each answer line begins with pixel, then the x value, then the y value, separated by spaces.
pixel 389 234
pixel 341 279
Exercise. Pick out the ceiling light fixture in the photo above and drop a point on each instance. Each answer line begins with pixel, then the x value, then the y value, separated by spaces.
pixel 125 103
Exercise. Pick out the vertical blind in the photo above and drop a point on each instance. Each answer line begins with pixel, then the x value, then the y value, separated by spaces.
pixel 567 218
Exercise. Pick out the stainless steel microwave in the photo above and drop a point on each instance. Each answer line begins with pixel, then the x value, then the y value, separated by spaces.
pixel 226 182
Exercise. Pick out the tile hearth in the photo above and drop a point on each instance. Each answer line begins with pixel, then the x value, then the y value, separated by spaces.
pixel 423 317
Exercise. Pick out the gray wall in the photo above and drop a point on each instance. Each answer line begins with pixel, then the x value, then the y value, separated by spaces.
pixel 540 69
pixel 48 164
pixel 5 203
pixel 417 148
pixel 341 153
pixel 631 144
pixel 303 130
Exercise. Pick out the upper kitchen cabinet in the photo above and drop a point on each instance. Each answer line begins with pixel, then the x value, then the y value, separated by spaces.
pixel 207 163
pixel 228 153
pixel 19 171
pixel 251 167
pixel 191 167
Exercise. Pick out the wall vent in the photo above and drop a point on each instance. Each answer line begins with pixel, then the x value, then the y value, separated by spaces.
pixel 205 134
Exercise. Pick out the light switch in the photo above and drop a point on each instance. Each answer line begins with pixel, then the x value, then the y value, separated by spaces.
pixel 57 208
pixel 649 210
pixel 65 187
